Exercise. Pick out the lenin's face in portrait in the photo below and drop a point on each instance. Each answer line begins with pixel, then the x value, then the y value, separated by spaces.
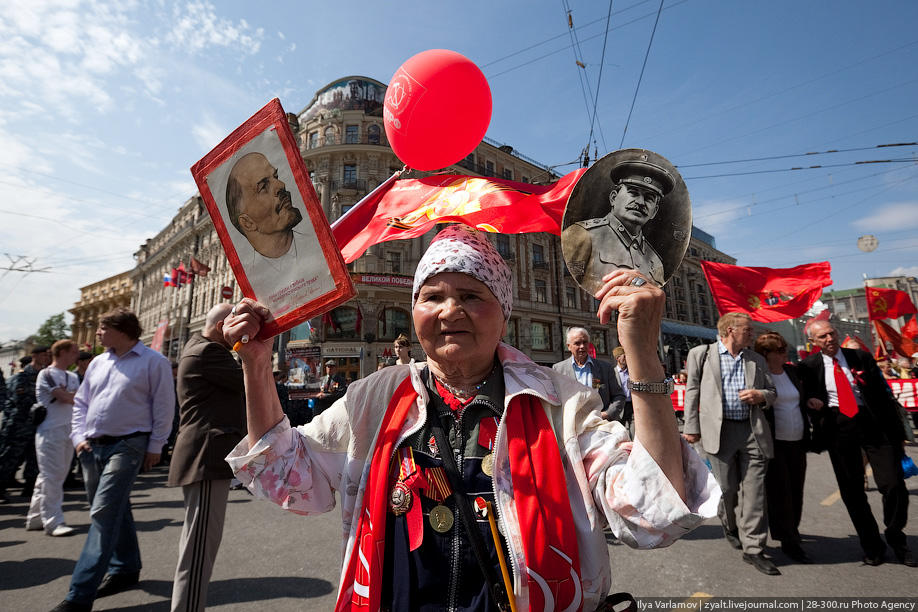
pixel 634 205
pixel 265 206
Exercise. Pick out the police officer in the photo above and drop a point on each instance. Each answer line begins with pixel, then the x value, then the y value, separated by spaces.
pixel 17 435
pixel 595 247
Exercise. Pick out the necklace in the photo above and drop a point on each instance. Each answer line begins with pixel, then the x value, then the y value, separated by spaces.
pixel 463 392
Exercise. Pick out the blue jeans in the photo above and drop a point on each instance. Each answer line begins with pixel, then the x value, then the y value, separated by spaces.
pixel 111 546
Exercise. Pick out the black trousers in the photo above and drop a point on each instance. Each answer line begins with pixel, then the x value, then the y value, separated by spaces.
pixel 852 435
pixel 784 491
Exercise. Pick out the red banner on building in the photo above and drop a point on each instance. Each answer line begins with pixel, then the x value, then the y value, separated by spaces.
pixel 410 207
pixel 889 337
pixel 766 294
pixel 888 303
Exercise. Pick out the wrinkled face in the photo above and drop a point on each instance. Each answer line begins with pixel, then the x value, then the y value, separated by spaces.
pixel 458 320
pixel 579 346
pixel 825 337
pixel 633 204
pixel 742 334
pixel 266 204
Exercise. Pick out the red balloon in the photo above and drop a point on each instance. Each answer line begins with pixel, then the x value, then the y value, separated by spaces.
pixel 437 109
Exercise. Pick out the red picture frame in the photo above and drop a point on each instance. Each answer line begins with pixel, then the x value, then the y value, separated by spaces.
pixel 296 271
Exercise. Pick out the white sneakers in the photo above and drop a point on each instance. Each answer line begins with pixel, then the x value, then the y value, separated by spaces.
pixel 62 530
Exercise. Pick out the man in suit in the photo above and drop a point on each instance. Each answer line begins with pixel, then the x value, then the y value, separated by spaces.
pixel 593 373
pixel 331 387
pixel 732 386
pixel 858 413
pixel 211 396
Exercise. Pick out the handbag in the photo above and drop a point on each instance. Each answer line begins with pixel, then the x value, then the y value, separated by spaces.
pixel 37 414
pixel 908 467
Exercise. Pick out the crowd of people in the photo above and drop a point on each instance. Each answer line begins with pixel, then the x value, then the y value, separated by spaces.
pixel 448 470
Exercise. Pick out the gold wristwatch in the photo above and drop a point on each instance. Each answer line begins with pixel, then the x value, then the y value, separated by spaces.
pixel 662 388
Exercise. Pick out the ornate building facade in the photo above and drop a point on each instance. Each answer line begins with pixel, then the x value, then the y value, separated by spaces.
pixel 343 144
pixel 95 300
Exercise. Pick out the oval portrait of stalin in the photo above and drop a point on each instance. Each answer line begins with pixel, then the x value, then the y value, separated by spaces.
pixel 629 210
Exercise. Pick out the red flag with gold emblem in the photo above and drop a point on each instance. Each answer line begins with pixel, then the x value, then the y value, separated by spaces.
pixel 888 303
pixel 766 294
pixel 408 208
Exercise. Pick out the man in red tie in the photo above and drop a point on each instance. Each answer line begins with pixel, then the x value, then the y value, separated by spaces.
pixel 856 411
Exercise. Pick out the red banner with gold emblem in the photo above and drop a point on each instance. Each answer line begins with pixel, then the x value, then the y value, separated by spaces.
pixel 767 294
pixel 888 303
pixel 410 207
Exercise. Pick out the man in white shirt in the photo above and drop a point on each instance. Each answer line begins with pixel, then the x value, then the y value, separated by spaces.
pixel 122 416
pixel 54 389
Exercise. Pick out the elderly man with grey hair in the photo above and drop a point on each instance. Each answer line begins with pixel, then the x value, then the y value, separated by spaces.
pixel 593 373
pixel 211 397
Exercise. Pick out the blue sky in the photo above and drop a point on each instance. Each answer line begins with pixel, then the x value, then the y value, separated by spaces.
pixel 104 107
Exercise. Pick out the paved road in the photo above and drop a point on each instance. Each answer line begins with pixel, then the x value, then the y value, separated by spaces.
pixel 273 559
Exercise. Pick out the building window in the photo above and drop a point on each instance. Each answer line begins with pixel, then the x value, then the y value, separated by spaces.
pixel 503 246
pixel 598 338
pixel 570 297
pixel 373 134
pixel 512 337
pixel 352 134
pixel 329 135
pixel 489 168
pixel 341 324
pixel 394 263
pixel 508 174
pixel 541 336
pixel 313 140
pixel 350 175
pixel 541 292
pixel 525 179
pixel 392 322
pixel 538 254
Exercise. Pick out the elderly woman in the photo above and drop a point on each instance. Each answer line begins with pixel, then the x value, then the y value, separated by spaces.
pixel 410 450
pixel 791 431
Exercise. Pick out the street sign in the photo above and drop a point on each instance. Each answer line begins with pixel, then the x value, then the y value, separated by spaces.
pixel 227 293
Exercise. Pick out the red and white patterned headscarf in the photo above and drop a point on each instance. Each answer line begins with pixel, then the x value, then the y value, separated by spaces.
pixel 458 248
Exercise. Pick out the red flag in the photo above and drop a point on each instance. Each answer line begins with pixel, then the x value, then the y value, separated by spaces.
pixel 887 335
pixel 888 303
pixel 408 208
pixel 822 316
pixel 910 329
pixel 176 278
pixel 592 351
pixel 185 277
pixel 861 344
pixel 766 294
pixel 847 341
pixel 168 280
pixel 198 268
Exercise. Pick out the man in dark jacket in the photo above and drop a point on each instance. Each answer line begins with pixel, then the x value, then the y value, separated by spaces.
pixel 858 413
pixel 17 434
pixel 211 396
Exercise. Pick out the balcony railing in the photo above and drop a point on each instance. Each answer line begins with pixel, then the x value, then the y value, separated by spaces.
pixel 318 143
pixel 358 184
pixel 540 265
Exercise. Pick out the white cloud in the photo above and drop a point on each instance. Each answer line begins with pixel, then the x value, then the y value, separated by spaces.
pixel 890 217
pixel 208 133
pixel 904 271
pixel 198 27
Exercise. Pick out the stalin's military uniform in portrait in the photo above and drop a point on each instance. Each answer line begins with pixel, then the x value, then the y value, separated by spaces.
pixel 595 247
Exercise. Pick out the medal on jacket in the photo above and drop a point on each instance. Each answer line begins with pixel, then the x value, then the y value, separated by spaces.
pixel 487 432
pixel 432 445
pixel 399 499
pixel 441 519
pixel 411 480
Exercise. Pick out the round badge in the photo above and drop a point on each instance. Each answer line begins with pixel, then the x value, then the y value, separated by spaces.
pixel 441 519
pixel 487 464
pixel 400 499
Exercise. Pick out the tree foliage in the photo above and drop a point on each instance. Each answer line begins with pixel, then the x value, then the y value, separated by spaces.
pixel 52 330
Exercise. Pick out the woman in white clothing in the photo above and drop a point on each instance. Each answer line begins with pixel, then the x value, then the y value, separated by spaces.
pixel 54 389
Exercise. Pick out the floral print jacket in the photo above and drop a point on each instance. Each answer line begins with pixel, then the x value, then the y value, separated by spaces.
pixel 609 479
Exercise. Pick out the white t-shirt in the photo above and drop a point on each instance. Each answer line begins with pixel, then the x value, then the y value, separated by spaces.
pixel 788 420
pixel 59 413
